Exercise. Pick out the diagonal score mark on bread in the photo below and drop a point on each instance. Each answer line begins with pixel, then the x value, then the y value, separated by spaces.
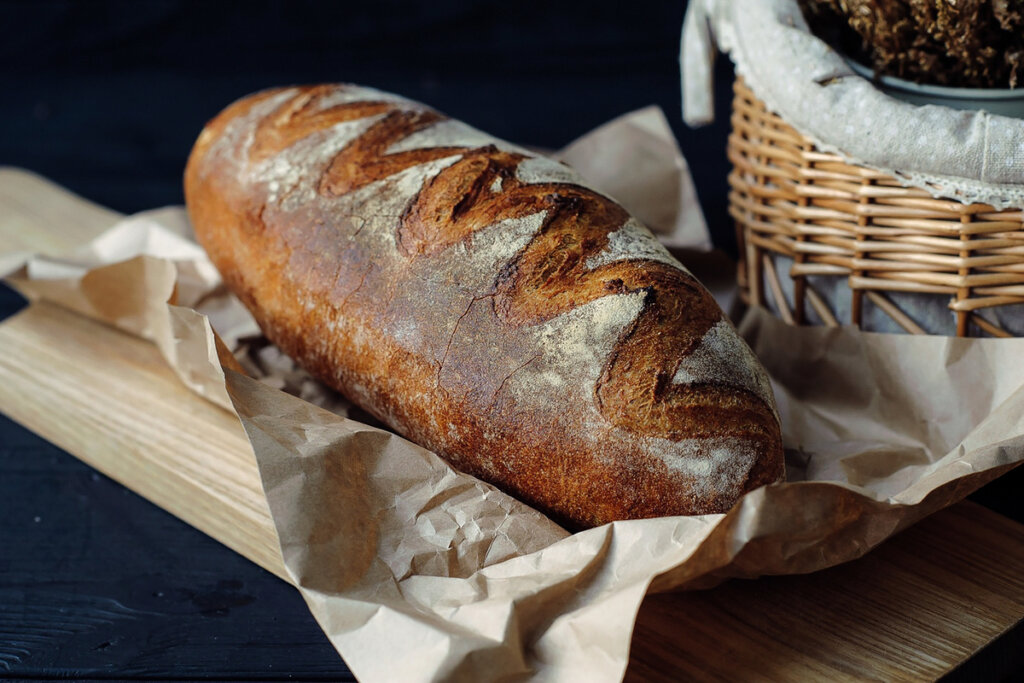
pixel 550 276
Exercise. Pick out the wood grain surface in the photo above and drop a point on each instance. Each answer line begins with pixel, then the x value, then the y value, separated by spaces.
pixel 98 583
pixel 38 216
pixel 913 609
pixel 111 400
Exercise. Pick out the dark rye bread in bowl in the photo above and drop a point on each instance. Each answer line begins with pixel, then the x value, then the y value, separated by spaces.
pixel 483 302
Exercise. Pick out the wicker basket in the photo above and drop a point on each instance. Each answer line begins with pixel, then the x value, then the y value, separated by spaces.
pixel 822 241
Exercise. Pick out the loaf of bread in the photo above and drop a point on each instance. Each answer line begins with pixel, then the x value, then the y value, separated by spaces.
pixel 483 302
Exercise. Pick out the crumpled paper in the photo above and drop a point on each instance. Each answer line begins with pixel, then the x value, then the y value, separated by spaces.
pixel 418 572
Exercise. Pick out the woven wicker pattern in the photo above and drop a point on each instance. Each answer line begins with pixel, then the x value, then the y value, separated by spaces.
pixel 836 220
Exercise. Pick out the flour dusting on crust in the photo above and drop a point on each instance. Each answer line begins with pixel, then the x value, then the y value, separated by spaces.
pixel 488 250
pixel 543 170
pixel 718 465
pixel 300 165
pixel 573 350
pixel 633 242
pixel 723 357
pixel 379 205
pixel 357 93
pixel 587 334
pixel 451 133
pixel 234 143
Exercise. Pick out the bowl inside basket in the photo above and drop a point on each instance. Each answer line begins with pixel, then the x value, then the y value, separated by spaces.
pixel 1001 101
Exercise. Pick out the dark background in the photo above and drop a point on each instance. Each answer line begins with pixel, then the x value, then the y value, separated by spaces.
pixel 106 99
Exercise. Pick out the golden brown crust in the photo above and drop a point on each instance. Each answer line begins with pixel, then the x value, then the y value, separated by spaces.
pixel 441 349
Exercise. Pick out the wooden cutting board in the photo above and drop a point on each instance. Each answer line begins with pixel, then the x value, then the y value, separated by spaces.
pixel 914 608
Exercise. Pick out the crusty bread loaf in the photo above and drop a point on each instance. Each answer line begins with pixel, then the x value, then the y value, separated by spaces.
pixel 484 302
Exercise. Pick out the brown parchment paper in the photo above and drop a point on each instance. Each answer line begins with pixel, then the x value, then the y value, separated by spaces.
pixel 418 572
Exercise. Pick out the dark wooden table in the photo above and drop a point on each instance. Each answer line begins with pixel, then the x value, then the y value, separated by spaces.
pixel 98 583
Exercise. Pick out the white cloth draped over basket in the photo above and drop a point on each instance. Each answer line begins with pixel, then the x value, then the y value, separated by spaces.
pixel 971 156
